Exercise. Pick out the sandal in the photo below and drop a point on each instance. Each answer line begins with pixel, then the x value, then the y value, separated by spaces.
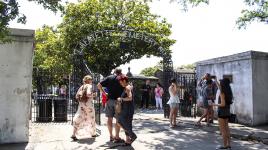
pixel 111 139
pixel 222 147
pixel 127 144
pixel 175 125
pixel 74 138
pixel 198 124
pixel 119 140
pixel 96 135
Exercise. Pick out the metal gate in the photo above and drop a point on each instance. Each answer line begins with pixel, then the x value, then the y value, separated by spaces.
pixel 80 69
pixel 53 95
pixel 187 93
pixel 50 98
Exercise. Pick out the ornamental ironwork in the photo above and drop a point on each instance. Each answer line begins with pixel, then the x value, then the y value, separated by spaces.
pixel 80 65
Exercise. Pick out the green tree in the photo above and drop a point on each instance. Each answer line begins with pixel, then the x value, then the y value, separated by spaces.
pixel 9 10
pixel 49 53
pixel 51 62
pixel 257 10
pixel 187 66
pixel 105 54
pixel 150 71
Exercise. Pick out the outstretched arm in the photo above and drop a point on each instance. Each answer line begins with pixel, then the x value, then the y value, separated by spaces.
pixel 101 89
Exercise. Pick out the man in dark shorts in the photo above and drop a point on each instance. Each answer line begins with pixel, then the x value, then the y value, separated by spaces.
pixel 114 91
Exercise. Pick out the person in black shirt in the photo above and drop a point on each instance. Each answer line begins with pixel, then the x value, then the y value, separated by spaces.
pixel 146 89
pixel 114 91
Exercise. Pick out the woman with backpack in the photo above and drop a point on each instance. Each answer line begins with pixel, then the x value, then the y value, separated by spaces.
pixel 224 102
pixel 84 119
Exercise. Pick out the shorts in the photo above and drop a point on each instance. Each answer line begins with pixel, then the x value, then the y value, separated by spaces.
pixel 110 108
pixel 224 113
pixel 224 117
pixel 174 105
pixel 205 104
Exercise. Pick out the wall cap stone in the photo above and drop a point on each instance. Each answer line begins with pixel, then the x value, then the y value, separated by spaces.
pixel 235 57
pixel 25 35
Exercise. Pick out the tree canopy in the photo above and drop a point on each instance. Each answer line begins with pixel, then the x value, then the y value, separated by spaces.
pixel 187 66
pixel 49 52
pixel 9 10
pixel 257 10
pixel 55 47
pixel 105 54
pixel 150 71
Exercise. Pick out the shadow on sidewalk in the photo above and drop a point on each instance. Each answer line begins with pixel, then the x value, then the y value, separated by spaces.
pixel 88 141
pixel 117 146
pixel 13 146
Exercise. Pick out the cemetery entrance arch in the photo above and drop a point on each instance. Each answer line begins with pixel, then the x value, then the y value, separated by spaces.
pixel 80 67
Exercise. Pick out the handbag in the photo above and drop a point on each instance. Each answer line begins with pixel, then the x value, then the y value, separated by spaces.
pixel 232 118
pixel 118 107
pixel 83 97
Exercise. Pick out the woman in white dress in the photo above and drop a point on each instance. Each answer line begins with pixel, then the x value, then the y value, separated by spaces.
pixel 84 119
pixel 173 102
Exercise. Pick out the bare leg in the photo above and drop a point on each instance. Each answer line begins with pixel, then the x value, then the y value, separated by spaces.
pixel 117 130
pixel 208 115
pixel 223 131
pixel 171 116
pixel 110 126
pixel 175 116
pixel 74 131
pixel 203 116
pixel 228 133
pixel 212 113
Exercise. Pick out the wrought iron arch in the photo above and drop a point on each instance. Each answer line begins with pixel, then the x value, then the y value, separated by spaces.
pixel 80 67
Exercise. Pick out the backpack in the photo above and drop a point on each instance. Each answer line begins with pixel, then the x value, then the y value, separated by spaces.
pixel 229 100
pixel 84 97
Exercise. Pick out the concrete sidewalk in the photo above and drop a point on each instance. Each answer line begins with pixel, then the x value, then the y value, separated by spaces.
pixel 153 134
pixel 238 131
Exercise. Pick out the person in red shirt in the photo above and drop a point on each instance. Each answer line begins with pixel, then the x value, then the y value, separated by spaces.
pixel 104 98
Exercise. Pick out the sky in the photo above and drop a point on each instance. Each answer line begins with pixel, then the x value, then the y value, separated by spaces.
pixel 203 32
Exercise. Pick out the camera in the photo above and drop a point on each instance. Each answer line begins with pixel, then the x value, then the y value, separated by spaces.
pixel 213 77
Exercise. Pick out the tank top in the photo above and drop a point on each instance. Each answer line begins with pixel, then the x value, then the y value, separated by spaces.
pixel 174 98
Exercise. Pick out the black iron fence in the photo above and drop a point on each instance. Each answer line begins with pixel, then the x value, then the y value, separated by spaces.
pixel 53 95
pixel 187 94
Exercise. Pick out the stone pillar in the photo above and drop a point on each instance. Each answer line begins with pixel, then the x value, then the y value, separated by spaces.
pixel 15 86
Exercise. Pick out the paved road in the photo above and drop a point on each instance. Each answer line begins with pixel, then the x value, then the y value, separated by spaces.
pixel 152 134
